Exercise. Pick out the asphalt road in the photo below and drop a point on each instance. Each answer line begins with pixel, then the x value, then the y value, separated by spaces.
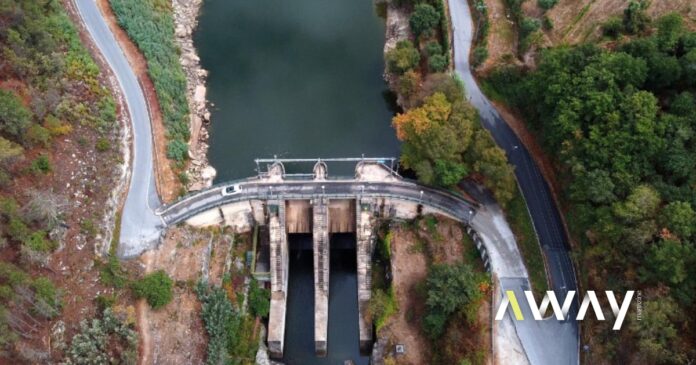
pixel 140 227
pixel 544 213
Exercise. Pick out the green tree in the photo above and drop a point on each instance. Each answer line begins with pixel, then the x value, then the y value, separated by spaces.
pixel 432 48
pixel 688 64
pixel 449 289
pixel 669 30
pixel 156 288
pixel 547 4
pixel 657 336
pixel 635 19
pixel 409 84
pixel 529 26
pixel 449 173
pixel 612 27
pixel 15 118
pixel 436 131
pixel 680 218
pixel 403 57
pixel 667 261
pixel 423 19
pixel 641 204
pixel 438 63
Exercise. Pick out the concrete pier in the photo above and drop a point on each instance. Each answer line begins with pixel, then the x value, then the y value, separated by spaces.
pixel 279 277
pixel 364 237
pixel 320 220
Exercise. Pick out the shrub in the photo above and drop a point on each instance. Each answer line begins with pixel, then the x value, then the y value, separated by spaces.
pixel 41 165
pixel 547 4
pixel 612 27
pixel 37 241
pixel 546 22
pixel 529 26
pixel 438 63
pixel 111 273
pixel 259 299
pixel 424 19
pixel 177 150
pixel 433 48
pixel 103 145
pixel 105 301
pixel 218 315
pixel 55 127
pixel 17 230
pixel 38 135
pixel 88 228
pixel 403 57
pixel 480 56
pixel 95 342
pixel 46 291
pixel 156 288
pixel 635 18
pixel 381 306
pixel 14 117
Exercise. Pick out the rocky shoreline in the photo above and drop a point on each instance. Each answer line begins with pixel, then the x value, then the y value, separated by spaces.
pixel 199 171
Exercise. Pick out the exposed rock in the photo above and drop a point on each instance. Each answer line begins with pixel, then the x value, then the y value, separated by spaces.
pixel 200 174
pixel 397 29
pixel 58 336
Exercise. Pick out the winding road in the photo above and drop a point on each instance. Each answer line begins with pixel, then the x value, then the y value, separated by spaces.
pixel 554 342
pixel 140 227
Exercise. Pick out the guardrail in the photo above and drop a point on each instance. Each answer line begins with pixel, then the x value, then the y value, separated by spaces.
pixel 190 212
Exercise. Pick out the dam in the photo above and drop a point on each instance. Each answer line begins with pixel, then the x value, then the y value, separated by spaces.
pixel 319 205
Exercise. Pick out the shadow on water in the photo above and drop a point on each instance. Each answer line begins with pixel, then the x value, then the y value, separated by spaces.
pixel 343 304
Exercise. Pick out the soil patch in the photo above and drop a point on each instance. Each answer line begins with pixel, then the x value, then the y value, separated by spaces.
pixel 409 269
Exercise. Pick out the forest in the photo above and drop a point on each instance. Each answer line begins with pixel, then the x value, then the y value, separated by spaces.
pixel 619 120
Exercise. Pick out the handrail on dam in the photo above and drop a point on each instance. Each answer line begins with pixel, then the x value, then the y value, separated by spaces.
pixel 253 189
pixel 381 183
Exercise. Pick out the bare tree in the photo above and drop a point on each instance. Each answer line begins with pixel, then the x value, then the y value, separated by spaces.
pixel 44 207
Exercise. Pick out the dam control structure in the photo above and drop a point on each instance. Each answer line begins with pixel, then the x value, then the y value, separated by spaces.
pixel 317 204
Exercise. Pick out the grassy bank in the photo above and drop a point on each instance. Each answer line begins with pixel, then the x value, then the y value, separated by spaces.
pixel 528 242
pixel 150 24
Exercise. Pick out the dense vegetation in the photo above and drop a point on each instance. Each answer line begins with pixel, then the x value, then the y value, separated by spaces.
pixel 621 126
pixel 451 289
pixel 108 339
pixel 150 24
pixel 49 87
pixel 232 337
pixel 382 303
pixel 443 141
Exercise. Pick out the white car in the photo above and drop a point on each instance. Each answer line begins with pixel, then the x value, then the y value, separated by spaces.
pixel 231 190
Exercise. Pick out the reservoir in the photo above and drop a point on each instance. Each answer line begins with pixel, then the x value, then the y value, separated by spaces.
pixel 296 79
pixel 299 79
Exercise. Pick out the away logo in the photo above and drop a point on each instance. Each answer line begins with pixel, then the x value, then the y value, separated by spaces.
pixel 561 312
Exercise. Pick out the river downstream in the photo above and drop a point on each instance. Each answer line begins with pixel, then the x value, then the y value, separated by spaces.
pixel 299 79
pixel 293 79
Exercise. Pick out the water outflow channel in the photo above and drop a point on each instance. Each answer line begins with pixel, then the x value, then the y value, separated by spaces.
pixel 299 79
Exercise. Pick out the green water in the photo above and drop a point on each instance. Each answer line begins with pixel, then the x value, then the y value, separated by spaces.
pixel 295 79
